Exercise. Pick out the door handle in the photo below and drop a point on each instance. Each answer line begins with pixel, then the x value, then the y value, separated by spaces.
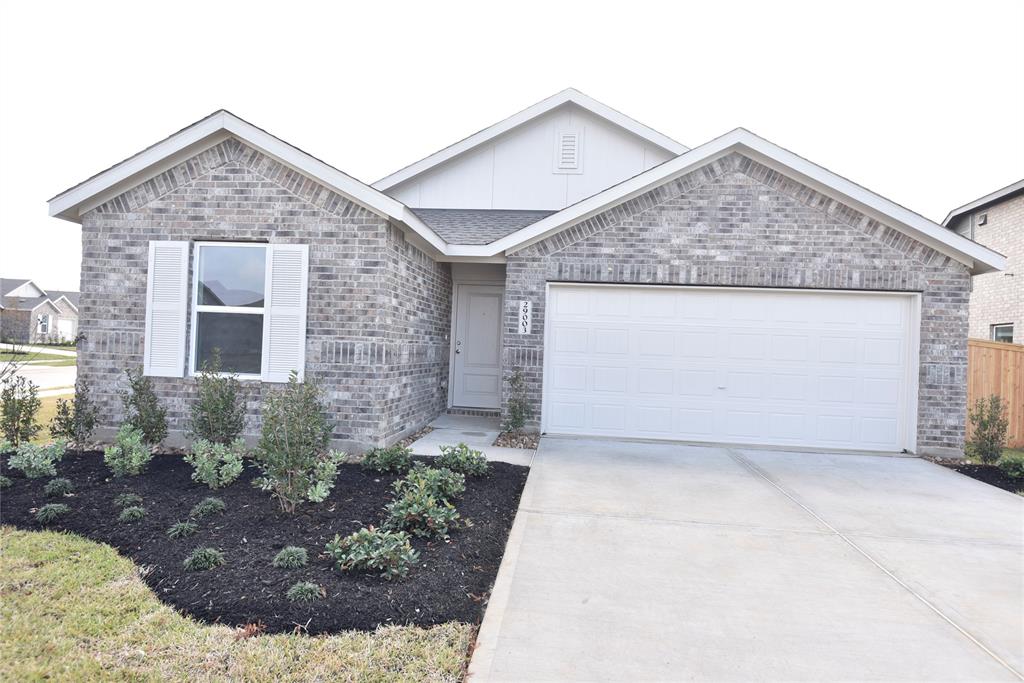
pixel 458 347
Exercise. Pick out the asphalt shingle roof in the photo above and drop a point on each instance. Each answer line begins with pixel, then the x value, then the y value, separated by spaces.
pixel 477 226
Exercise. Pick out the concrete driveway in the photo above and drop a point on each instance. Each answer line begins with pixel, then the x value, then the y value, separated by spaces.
pixel 657 562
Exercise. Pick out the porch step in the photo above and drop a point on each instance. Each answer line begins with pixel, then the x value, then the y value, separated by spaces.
pixel 474 412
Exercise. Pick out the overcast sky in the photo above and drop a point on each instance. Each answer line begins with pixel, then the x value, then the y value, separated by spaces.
pixel 920 102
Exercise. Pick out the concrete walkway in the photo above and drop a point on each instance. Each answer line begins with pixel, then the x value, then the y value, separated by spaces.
pixel 661 562
pixel 476 432
pixel 51 381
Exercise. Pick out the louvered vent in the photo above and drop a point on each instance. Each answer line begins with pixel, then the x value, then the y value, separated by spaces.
pixel 568 153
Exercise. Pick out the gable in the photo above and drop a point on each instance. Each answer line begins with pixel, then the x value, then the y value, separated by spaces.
pixel 23 289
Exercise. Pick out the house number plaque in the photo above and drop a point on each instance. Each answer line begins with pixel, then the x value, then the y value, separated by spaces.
pixel 525 317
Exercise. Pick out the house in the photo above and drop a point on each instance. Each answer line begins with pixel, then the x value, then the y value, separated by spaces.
pixel 732 292
pixel 997 299
pixel 28 313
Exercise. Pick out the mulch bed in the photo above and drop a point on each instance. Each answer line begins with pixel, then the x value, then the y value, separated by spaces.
pixel 990 474
pixel 450 583
pixel 517 440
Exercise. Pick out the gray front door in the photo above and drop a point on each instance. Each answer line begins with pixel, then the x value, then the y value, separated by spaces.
pixel 477 374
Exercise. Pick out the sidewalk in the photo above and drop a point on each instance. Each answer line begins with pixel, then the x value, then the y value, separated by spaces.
pixel 31 348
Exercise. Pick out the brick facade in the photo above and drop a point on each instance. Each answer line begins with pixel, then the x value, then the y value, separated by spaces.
pixel 376 327
pixel 736 222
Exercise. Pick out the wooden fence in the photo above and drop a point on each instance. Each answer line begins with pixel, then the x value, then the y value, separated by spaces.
pixel 998 368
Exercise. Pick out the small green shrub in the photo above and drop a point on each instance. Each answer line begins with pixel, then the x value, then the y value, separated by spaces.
pixel 5 482
pixel 291 557
pixel 387 553
pixel 216 464
pixel 1012 464
pixel 51 512
pixel 439 482
pixel 463 459
pixel 305 591
pixel 19 403
pixel 182 529
pixel 421 513
pixel 75 420
pixel 517 408
pixel 203 559
pixel 58 487
pixel 393 459
pixel 143 410
pixel 5 445
pixel 990 424
pixel 133 513
pixel 218 414
pixel 128 455
pixel 207 507
pixel 123 500
pixel 37 461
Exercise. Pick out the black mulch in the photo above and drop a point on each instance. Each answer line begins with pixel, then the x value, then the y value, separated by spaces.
pixel 990 474
pixel 450 583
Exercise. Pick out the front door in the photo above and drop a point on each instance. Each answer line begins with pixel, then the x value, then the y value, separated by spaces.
pixel 477 375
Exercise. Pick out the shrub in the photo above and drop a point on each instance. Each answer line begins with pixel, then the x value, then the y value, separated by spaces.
pixel 517 408
pixel 1012 464
pixel 75 420
pixel 128 455
pixel 19 403
pixel 421 513
pixel 132 513
pixel 990 423
pixel 142 408
pixel 51 512
pixel 182 529
pixel 387 553
pixel 5 482
pixel 463 459
pixel 207 507
pixel 37 461
pixel 124 500
pixel 58 487
pixel 292 452
pixel 439 482
pixel 203 559
pixel 305 591
pixel 291 557
pixel 393 459
pixel 218 414
pixel 5 445
pixel 216 464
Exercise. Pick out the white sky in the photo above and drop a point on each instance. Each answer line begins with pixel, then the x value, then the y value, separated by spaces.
pixel 922 102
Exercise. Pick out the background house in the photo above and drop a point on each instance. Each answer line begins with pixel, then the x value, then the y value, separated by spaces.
pixel 29 313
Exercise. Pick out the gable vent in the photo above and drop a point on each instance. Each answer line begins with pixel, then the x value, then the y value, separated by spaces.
pixel 568 155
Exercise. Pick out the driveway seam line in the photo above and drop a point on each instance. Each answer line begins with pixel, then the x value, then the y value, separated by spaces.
pixel 927 603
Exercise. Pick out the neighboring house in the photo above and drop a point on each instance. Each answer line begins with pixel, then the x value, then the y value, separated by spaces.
pixel 28 313
pixel 733 292
pixel 997 299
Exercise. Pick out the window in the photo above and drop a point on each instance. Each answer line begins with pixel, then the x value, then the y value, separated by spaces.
pixel 228 306
pixel 44 324
pixel 1003 333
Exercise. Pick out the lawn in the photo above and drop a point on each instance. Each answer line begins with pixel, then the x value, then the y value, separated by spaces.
pixel 72 609
pixel 47 409
pixel 50 358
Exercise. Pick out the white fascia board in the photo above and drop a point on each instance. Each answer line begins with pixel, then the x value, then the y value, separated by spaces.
pixel 979 258
pixel 558 99
pixel 990 198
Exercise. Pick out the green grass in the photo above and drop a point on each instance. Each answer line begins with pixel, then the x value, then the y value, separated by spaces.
pixel 1014 451
pixel 47 409
pixel 71 609
pixel 32 356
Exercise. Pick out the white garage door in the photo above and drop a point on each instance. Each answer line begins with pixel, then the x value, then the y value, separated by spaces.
pixel 784 367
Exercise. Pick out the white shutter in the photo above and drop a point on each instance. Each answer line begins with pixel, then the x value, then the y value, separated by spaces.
pixel 166 308
pixel 284 329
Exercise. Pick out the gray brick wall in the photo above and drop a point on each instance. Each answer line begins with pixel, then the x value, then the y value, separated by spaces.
pixel 354 347
pixel 738 223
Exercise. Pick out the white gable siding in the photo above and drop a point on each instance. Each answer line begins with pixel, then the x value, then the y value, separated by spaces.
pixel 25 291
pixel 519 171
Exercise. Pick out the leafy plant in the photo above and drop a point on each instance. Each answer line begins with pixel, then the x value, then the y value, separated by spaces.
pixel 393 459
pixel 464 459
pixel 218 414
pixel 128 455
pixel 291 557
pixel 51 512
pixel 439 482
pixel 203 559
pixel 292 452
pixel 305 591
pixel 990 424
pixel 58 487
pixel 5 482
pixel 208 506
pixel 36 461
pixel 517 407
pixel 1012 464
pixel 123 500
pixel 5 445
pixel 216 464
pixel 132 513
pixel 182 529
pixel 379 551
pixel 19 403
pixel 75 420
pixel 421 513
pixel 142 409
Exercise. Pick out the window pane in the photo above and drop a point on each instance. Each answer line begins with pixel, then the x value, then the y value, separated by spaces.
pixel 231 276
pixel 239 336
pixel 1003 333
